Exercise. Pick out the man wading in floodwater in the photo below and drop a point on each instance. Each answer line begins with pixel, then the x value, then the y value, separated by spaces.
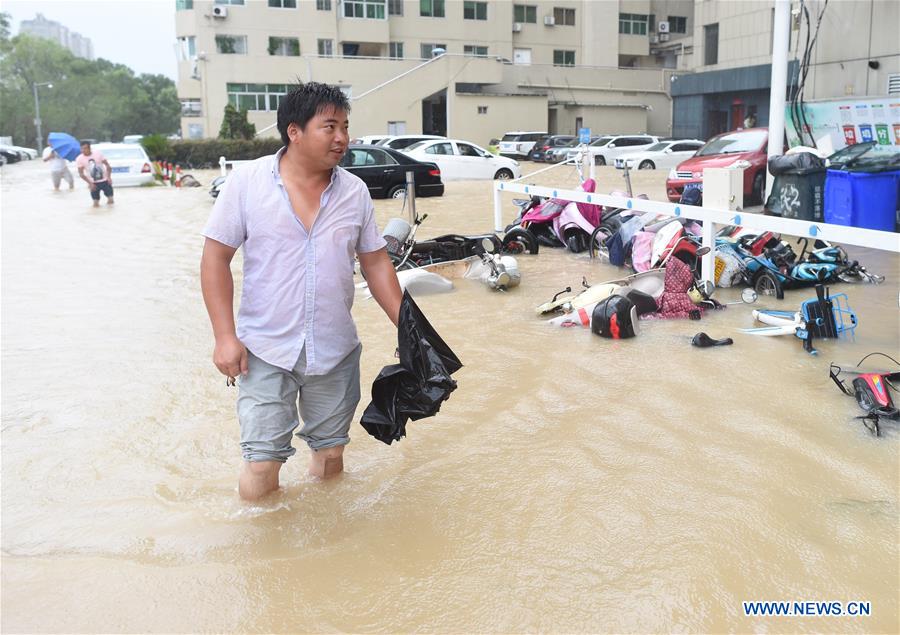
pixel 300 218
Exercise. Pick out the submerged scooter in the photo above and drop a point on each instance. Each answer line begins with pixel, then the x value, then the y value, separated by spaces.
pixel 824 317
pixel 871 389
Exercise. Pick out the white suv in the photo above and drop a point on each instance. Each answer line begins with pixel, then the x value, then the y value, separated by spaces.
pixel 518 144
pixel 605 149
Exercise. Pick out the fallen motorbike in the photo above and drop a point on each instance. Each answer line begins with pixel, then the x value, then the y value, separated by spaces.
pixel 871 391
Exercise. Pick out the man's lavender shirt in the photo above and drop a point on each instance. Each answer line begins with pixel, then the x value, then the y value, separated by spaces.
pixel 298 286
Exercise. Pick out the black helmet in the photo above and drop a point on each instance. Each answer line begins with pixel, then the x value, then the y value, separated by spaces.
pixel 615 317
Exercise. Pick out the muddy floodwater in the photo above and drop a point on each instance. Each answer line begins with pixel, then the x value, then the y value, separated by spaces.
pixel 570 484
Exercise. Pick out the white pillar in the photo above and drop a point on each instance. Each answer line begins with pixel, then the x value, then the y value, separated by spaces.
pixel 707 262
pixel 498 211
pixel 780 45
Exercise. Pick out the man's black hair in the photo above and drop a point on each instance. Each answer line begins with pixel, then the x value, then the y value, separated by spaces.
pixel 85 143
pixel 305 101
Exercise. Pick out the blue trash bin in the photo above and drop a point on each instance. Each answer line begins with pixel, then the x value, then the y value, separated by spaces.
pixel 862 199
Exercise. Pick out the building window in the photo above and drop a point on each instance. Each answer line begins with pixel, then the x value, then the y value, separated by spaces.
pixel 288 46
pixel 184 5
pixel 395 50
pixel 482 110
pixel 431 8
pixel 632 24
pixel 428 49
pixel 564 58
pixel 677 24
pixel 395 7
pixel 711 44
pixel 231 44
pixel 474 10
pixel 525 13
pixel 323 5
pixel 191 108
pixel 563 16
pixel 195 131
pixel 349 49
pixel 477 51
pixel 265 97
pixel 187 48
pixel 326 48
pixel 371 9
pixel 283 4
pixel 237 2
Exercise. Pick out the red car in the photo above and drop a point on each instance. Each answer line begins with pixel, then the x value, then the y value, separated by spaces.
pixel 720 152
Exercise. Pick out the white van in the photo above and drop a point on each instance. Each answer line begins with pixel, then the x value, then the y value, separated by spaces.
pixel 518 144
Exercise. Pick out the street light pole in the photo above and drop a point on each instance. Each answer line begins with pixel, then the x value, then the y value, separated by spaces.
pixel 37 113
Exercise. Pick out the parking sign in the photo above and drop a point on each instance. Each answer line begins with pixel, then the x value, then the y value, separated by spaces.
pixel 584 135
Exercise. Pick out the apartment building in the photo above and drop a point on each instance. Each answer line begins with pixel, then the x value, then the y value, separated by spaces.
pixel 856 53
pixel 51 30
pixel 471 69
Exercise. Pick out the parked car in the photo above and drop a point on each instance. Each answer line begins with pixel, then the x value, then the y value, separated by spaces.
pixel 560 153
pixel 8 154
pixel 132 138
pixel 384 171
pixel 548 142
pixel 369 139
pixel 723 151
pixel 605 149
pixel 399 142
pixel 518 144
pixel 26 153
pixel 464 160
pixel 662 155
pixel 129 162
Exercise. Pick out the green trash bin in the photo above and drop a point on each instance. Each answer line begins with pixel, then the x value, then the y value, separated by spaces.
pixel 799 194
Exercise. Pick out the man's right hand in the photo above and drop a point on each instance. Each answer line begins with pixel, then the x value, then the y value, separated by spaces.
pixel 92 185
pixel 230 356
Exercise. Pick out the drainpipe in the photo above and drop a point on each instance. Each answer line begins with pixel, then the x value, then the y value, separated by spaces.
pixel 778 84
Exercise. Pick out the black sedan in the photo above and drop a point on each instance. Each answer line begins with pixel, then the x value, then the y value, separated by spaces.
pixel 384 171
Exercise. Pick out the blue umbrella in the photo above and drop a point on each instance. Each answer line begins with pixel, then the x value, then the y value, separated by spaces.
pixel 65 145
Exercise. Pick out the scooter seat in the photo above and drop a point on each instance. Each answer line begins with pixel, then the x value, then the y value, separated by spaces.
pixel 703 340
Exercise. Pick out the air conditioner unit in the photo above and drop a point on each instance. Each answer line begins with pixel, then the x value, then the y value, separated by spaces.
pixel 517 27
pixel 663 37
pixel 549 20
pixel 220 11
pixel 662 26
pixel 654 38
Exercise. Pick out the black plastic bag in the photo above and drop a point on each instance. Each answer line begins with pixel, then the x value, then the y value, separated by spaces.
pixel 417 386
pixel 799 161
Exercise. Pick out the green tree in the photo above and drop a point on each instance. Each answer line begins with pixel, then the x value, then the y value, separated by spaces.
pixel 89 99
pixel 235 124
pixel 5 21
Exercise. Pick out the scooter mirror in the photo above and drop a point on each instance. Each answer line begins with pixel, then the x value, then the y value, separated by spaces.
pixel 487 245
pixel 702 251
pixel 749 296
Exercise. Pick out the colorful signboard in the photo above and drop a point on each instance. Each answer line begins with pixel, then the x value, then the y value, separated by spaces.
pixel 840 123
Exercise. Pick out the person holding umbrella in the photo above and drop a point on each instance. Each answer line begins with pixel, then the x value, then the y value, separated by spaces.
pixel 59 169
pixel 96 172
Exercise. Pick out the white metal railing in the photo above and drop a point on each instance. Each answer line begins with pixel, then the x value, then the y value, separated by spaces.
pixel 223 164
pixel 875 239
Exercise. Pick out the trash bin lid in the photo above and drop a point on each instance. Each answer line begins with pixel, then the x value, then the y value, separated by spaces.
pixel 845 157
